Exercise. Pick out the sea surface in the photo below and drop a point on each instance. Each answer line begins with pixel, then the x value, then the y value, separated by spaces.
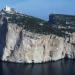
pixel 61 67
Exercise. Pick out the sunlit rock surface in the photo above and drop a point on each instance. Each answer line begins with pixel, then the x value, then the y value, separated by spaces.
pixel 24 46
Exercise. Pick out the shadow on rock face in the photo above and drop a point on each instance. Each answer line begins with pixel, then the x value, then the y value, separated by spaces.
pixel 3 32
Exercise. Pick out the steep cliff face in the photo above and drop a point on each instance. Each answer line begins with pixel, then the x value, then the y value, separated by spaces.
pixel 26 39
pixel 65 25
pixel 25 46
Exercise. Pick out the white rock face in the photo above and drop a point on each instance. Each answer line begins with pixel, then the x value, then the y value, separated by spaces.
pixel 26 47
pixel 22 46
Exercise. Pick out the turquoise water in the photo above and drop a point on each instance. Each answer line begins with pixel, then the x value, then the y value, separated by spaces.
pixel 61 67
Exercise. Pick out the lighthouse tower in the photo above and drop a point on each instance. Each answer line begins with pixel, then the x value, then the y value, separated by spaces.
pixel 7 8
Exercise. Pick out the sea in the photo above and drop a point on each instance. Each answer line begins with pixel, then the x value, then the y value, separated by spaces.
pixel 60 67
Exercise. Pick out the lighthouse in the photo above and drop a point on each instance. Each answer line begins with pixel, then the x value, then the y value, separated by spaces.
pixel 7 8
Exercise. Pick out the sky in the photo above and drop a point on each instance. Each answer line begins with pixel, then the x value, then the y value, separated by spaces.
pixel 41 8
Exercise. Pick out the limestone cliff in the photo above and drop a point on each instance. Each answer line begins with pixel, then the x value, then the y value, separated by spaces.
pixel 26 39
